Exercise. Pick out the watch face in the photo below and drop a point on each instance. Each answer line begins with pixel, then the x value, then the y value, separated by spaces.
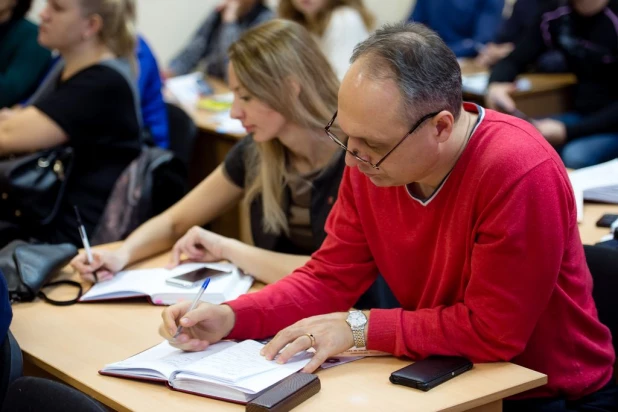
pixel 357 319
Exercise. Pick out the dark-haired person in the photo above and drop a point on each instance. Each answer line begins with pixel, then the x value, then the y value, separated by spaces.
pixel 208 47
pixel 469 216
pixel 586 32
pixel 464 25
pixel 22 60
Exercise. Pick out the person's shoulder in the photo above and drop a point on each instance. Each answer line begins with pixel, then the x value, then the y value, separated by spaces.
pixel 346 15
pixel 101 76
pixel 513 143
pixel 613 6
pixel 25 28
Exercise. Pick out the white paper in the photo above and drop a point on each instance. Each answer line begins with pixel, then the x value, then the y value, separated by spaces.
pixel 604 174
pixel 243 368
pixel 184 88
pixel 151 282
pixel 225 124
pixel 163 358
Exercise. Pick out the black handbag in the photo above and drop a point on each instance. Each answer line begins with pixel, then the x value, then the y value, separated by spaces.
pixel 32 186
pixel 27 268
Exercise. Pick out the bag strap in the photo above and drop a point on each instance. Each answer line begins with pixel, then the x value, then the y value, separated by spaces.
pixel 54 302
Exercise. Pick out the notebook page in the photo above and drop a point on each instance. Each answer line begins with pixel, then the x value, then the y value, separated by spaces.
pixel 152 281
pixel 163 359
pixel 242 362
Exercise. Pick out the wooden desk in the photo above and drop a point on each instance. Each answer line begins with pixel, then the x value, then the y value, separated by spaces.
pixel 72 343
pixel 549 94
pixel 591 234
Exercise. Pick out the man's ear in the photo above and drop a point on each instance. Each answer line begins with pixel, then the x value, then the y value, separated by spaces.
pixel 444 123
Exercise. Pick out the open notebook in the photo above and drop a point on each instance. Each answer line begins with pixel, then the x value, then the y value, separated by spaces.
pixel 227 370
pixel 150 283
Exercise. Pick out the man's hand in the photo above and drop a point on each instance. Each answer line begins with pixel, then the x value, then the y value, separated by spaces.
pixel 203 326
pixel 499 97
pixel 492 53
pixel 553 130
pixel 331 334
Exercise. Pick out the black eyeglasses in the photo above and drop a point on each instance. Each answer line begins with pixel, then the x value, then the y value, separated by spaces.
pixel 357 157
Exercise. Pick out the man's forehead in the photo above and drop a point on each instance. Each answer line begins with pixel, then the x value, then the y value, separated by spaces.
pixel 368 103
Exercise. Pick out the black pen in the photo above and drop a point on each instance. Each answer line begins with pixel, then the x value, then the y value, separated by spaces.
pixel 84 237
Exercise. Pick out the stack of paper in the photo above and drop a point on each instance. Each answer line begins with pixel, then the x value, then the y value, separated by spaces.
pixel 597 183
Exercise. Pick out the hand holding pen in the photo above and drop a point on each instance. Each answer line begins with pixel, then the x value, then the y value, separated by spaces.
pixel 194 304
pixel 84 236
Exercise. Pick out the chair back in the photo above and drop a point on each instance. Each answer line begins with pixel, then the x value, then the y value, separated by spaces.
pixel 182 132
pixel 37 394
pixel 11 364
pixel 150 184
pixel 603 265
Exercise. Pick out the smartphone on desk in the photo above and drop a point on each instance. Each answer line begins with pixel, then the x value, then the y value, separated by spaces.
pixel 430 372
pixel 193 278
pixel 607 219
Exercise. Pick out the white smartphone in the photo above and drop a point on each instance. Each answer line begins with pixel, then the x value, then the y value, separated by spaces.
pixel 194 278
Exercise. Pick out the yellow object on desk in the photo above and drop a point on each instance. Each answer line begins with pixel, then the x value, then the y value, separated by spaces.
pixel 216 102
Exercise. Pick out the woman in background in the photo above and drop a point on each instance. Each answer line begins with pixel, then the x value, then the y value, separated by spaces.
pixel 22 60
pixel 208 47
pixel 338 25
pixel 286 169
pixel 91 107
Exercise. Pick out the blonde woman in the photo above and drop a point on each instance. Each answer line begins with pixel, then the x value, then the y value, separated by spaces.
pixel 286 169
pixel 338 25
pixel 90 107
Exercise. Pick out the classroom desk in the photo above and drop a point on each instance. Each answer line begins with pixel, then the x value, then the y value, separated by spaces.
pixel 591 234
pixel 549 94
pixel 72 343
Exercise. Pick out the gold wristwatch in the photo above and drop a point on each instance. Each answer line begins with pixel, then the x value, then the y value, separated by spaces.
pixel 357 321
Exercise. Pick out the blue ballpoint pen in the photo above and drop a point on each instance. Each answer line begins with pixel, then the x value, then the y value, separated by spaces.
pixel 195 302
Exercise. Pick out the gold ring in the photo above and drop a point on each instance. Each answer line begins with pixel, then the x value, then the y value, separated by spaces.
pixel 310 336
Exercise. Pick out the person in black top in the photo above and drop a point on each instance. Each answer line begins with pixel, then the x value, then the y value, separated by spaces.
pixel 286 169
pixel 90 107
pixel 522 17
pixel 586 32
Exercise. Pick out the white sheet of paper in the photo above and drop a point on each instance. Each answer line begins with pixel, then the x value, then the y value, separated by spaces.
pixel 604 174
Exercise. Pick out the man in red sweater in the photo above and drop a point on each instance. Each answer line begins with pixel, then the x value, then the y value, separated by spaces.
pixel 469 217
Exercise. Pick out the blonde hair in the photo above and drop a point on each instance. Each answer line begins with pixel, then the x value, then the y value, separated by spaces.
pixel 265 59
pixel 288 11
pixel 118 31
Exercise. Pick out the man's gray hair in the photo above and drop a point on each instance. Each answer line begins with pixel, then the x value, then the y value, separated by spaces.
pixel 425 70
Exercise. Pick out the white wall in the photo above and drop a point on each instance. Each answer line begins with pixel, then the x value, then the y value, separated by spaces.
pixel 168 24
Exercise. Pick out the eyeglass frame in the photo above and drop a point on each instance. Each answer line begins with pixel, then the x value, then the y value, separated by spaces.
pixel 357 157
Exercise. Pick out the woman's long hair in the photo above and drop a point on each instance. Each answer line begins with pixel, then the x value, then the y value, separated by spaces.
pixel 265 59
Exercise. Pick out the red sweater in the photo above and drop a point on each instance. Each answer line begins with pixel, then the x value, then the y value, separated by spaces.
pixel 491 267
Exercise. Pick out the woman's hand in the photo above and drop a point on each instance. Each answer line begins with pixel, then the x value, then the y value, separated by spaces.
pixel 198 245
pixel 203 326
pixel 104 264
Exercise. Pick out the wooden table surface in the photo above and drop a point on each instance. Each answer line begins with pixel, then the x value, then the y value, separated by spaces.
pixel 72 343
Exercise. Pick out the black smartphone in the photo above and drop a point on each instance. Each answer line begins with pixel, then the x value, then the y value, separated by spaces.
pixel 606 220
pixel 430 372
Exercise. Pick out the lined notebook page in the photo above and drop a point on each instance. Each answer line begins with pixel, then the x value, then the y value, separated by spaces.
pixel 242 361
